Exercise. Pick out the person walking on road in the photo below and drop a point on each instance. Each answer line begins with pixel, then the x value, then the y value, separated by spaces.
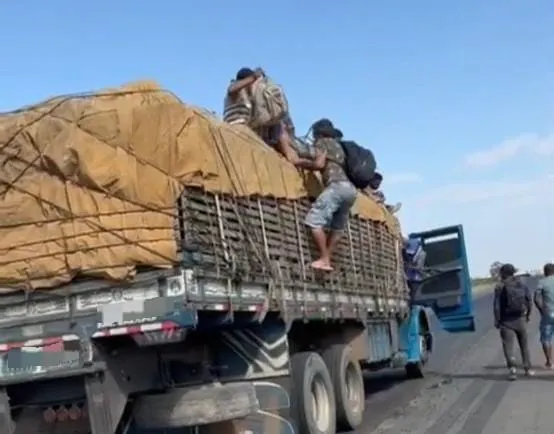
pixel 512 311
pixel 544 300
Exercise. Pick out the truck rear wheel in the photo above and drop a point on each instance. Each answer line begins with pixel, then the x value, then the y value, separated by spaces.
pixel 312 396
pixel 348 384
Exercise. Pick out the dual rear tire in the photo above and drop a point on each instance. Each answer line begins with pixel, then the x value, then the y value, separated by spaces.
pixel 327 391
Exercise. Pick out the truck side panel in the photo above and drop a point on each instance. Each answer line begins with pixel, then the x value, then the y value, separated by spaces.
pixel 264 242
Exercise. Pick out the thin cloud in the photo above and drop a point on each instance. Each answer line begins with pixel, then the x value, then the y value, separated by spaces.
pixel 506 220
pixel 402 178
pixel 486 192
pixel 530 144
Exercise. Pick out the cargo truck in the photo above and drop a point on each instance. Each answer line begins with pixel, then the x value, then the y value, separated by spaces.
pixel 238 334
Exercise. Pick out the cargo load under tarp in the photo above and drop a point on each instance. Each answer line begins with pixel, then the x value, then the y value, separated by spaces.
pixel 89 183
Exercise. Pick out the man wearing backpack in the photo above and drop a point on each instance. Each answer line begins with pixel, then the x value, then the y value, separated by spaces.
pixel 512 310
pixel 544 300
pixel 253 86
pixel 329 213
pixel 374 191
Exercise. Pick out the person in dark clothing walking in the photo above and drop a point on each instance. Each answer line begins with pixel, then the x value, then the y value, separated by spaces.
pixel 512 311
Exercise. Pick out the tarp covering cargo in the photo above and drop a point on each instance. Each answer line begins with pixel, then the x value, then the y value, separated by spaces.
pixel 88 183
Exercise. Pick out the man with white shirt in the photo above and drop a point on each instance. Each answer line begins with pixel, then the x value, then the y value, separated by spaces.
pixel 544 300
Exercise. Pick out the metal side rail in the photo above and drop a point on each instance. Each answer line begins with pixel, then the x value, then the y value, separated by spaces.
pixel 72 372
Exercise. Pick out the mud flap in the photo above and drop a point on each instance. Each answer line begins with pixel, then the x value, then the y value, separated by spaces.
pixel 7 426
pixel 105 403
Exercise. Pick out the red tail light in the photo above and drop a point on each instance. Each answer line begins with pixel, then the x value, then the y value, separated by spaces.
pixel 63 414
pixel 49 415
pixel 74 412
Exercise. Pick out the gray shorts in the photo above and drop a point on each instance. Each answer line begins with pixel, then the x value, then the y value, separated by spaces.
pixel 332 207
pixel 272 133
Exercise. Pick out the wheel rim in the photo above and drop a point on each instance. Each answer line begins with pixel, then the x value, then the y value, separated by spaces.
pixel 423 347
pixel 320 404
pixel 353 388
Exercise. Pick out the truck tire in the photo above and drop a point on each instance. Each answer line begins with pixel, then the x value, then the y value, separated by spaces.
pixel 417 369
pixel 312 397
pixel 348 384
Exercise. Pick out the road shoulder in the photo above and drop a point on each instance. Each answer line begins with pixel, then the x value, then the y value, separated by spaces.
pixel 472 395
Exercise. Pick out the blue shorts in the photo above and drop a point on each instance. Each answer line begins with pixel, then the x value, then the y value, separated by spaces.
pixel 546 329
pixel 332 206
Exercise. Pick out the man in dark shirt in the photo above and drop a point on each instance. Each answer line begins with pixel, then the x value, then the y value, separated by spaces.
pixel 331 209
pixel 512 310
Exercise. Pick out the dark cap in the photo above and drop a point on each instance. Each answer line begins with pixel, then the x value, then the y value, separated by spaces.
pixel 338 134
pixel 244 73
pixel 507 270
pixel 322 123
pixel 323 127
pixel 375 181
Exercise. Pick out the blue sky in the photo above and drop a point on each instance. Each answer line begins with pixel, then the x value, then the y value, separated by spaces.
pixel 455 98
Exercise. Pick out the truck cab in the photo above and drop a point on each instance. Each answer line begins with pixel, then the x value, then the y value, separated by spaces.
pixel 437 271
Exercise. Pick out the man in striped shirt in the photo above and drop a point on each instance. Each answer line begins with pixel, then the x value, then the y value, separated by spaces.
pixel 238 106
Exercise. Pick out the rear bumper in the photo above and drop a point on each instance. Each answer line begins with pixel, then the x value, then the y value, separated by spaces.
pixel 192 406
pixel 105 400
pixel 26 377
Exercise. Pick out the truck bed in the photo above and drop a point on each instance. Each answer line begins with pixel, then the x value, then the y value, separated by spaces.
pixel 246 252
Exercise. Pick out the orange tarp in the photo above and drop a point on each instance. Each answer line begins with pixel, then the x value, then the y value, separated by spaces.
pixel 88 184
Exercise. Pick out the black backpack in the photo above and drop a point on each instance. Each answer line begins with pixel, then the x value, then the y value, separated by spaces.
pixel 359 164
pixel 513 299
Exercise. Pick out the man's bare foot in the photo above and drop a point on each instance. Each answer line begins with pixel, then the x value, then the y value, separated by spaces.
pixel 322 264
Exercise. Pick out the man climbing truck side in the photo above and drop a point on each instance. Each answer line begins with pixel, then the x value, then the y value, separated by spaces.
pixel 157 275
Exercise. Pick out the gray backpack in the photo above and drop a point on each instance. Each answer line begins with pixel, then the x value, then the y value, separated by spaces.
pixel 270 104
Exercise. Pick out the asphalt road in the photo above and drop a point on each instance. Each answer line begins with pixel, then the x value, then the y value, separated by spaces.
pixel 390 397
pixel 466 390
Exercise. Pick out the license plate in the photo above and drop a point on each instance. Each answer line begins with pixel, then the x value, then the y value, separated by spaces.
pixel 38 360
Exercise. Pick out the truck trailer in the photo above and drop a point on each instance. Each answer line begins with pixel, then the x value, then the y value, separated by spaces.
pixel 230 330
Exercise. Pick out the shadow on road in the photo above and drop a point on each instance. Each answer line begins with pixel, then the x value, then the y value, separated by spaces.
pixel 494 367
pixel 500 376
pixel 376 382
pixel 498 373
